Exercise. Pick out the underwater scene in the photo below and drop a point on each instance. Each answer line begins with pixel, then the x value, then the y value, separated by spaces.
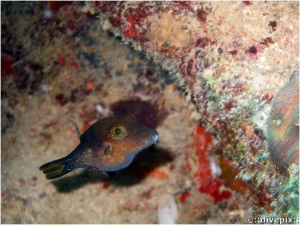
pixel 150 112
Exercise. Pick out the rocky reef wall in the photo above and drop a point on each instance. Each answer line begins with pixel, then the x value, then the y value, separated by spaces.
pixel 232 58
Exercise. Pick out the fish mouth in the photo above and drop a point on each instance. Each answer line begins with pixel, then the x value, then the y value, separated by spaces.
pixel 147 136
pixel 155 137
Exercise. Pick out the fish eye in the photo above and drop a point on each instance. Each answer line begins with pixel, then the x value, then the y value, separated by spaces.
pixel 119 132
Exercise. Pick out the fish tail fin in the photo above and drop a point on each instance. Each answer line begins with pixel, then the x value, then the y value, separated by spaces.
pixel 55 169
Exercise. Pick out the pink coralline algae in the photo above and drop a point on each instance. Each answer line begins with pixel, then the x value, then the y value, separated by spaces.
pixel 283 124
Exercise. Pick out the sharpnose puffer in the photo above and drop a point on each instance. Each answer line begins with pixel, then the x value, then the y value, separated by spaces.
pixel 107 145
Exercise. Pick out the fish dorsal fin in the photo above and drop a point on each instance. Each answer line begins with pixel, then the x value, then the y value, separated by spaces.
pixel 129 117
pixel 76 128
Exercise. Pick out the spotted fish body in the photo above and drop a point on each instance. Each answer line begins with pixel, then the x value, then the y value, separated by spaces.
pixel 108 145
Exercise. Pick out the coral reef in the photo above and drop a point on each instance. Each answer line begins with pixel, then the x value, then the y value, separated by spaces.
pixel 232 58
pixel 63 67
pixel 61 61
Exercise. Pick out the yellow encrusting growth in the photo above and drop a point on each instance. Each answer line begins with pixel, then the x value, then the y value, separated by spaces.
pixel 164 29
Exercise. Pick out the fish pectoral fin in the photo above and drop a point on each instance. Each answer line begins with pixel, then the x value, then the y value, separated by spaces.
pixel 76 128
pixel 95 173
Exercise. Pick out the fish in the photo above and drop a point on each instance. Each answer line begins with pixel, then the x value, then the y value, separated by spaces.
pixel 108 145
